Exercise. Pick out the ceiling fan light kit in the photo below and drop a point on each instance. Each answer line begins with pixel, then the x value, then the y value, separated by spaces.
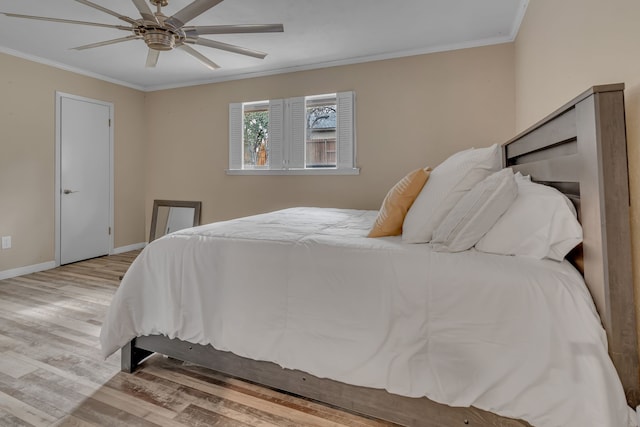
pixel 162 33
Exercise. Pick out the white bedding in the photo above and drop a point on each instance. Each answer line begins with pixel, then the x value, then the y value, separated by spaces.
pixel 305 288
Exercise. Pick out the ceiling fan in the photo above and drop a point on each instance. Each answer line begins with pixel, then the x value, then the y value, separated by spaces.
pixel 162 33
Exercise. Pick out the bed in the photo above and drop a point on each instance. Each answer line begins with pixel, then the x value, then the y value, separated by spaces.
pixel 579 149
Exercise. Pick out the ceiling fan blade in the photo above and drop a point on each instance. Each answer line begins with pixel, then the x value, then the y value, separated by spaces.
pixel 233 29
pixel 145 11
pixel 200 57
pixel 109 11
pixel 105 43
pixel 152 58
pixel 227 47
pixel 189 12
pixel 67 21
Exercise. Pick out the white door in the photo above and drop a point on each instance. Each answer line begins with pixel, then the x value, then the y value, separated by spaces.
pixel 84 179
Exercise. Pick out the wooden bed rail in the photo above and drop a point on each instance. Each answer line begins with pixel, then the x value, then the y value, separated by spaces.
pixel 378 403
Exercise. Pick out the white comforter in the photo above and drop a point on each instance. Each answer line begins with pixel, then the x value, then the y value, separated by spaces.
pixel 305 288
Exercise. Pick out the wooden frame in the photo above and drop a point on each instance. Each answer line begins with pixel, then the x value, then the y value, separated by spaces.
pixel 580 149
pixel 171 204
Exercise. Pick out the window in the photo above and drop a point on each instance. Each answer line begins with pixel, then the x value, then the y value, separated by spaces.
pixel 304 135
pixel 255 134
pixel 320 135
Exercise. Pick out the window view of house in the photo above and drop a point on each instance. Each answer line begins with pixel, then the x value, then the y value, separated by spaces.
pixel 321 131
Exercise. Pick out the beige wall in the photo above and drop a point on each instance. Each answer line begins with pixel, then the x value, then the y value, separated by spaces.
pixel 563 48
pixel 27 149
pixel 411 112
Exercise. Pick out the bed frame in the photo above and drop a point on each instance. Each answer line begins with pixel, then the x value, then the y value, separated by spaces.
pixel 579 149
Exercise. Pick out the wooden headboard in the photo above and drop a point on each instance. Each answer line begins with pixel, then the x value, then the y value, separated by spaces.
pixel 581 149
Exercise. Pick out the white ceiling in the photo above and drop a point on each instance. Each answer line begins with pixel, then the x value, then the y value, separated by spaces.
pixel 317 34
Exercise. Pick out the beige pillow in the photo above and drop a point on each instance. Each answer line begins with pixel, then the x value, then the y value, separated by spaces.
pixel 397 202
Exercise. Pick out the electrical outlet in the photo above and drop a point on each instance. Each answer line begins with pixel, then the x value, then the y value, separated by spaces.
pixel 6 242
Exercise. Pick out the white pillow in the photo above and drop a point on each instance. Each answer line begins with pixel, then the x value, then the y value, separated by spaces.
pixel 447 184
pixel 541 223
pixel 476 212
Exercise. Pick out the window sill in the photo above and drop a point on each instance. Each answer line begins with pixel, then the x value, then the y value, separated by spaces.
pixel 310 171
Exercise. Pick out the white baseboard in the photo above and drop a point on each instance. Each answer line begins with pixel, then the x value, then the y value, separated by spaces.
pixel 21 271
pixel 134 247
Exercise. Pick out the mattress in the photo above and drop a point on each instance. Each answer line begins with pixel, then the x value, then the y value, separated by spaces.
pixel 306 289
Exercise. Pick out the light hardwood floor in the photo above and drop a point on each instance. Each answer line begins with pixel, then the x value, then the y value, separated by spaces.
pixel 51 371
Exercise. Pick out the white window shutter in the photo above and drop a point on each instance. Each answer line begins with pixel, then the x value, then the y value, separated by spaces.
pixel 235 136
pixel 345 129
pixel 276 134
pixel 297 125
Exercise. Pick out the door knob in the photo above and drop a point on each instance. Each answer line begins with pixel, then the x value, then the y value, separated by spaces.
pixel 67 191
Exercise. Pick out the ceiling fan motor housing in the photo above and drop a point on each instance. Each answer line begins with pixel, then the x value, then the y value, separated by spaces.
pixel 159 39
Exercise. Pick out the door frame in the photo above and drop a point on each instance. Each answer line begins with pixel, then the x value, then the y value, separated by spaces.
pixel 58 168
